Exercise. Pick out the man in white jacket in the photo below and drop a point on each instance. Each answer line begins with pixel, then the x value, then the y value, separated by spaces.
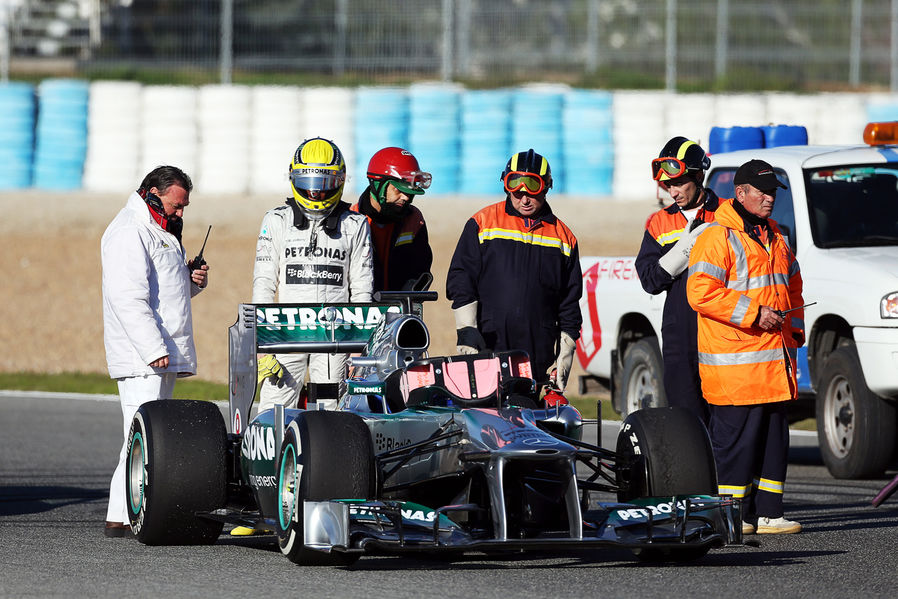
pixel 147 323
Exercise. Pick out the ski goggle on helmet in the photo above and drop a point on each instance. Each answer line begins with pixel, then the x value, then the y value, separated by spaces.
pixel 678 157
pixel 528 172
pixel 400 168
pixel 317 175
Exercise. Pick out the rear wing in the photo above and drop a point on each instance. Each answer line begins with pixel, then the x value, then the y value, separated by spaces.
pixel 293 328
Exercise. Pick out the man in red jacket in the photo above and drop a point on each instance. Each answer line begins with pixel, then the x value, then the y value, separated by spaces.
pixel 398 232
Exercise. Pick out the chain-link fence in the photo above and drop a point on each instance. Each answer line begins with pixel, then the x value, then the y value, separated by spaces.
pixel 677 44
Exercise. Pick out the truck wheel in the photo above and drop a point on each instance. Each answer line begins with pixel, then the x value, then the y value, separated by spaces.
pixel 325 455
pixel 673 451
pixel 674 458
pixel 176 467
pixel 642 377
pixel 856 427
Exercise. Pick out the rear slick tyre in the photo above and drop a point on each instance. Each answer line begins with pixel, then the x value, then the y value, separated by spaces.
pixel 324 455
pixel 175 469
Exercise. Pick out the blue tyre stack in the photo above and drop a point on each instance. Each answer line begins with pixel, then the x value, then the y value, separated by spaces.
pixel 17 106
pixel 730 139
pixel 61 144
pixel 485 140
pixel 433 133
pixel 784 135
pixel 381 120
pixel 536 123
pixel 588 151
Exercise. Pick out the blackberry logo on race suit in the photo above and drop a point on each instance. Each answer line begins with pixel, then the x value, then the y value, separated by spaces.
pixel 314 274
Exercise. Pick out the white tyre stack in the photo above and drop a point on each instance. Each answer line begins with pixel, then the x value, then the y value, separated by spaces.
pixel 276 129
pixel 639 134
pixel 223 115
pixel 741 110
pixel 691 116
pixel 329 112
pixel 113 137
pixel 843 117
pixel 168 129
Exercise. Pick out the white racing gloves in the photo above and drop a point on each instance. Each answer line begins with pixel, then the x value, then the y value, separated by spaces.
pixel 676 259
pixel 470 341
pixel 562 366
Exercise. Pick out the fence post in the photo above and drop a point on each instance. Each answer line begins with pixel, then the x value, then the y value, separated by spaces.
pixel 226 58
pixel 670 71
pixel 723 39
pixel 893 50
pixel 446 66
pixel 463 64
pixel 592 36
pixel 342 21
pixel 854 64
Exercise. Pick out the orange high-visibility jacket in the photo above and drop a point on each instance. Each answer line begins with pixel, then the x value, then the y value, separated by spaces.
pixel 731 274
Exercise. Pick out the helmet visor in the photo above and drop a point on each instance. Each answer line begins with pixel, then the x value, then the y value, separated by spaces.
pixel 531 183
pixel 315 181
pixel 667 168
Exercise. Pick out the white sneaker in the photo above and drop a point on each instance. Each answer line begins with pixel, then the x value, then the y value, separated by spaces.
pixel 777 526
pixel 748 528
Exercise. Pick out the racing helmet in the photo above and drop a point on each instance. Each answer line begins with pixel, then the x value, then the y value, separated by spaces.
pixel 529 171
pixel 678 157
pixel 399 167
pixel 317 175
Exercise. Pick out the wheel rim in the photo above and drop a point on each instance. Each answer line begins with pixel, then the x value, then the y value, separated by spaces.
pixel 137 473
pixel 641 383
pixel 287 485
pixel 838 417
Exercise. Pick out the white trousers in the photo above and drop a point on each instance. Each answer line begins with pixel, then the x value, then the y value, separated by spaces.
pixel 323 368
pixel 133 392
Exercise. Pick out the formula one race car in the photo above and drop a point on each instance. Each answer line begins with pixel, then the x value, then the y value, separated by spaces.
pixel 423 454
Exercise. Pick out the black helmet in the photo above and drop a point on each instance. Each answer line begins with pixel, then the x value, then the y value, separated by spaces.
pixel 529 162
pixel 678 156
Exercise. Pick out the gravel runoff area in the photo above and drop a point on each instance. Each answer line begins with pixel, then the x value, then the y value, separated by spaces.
pixel 50 299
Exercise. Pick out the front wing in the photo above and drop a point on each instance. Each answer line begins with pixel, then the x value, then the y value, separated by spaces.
pixel 670 524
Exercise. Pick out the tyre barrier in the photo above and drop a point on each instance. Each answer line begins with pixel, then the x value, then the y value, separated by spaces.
pixel 382 117
pixel 484 141
pixel 17 112
pixel 61 134
pixel 536 123
pixel 587 142
pixel 434 133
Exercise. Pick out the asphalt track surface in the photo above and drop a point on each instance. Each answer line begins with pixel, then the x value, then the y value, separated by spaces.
pixel 57 453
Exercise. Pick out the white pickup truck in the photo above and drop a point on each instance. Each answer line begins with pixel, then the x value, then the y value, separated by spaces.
pixel 840 215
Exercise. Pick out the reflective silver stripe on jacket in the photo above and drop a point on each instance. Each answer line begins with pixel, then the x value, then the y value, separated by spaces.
pixel 742 358
pixel 712 270
pixel 740 310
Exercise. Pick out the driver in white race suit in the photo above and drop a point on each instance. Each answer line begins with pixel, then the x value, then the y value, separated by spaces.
pixel 312 249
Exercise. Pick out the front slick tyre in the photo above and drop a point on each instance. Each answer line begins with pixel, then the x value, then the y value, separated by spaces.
pixel 175 469
pixel 325 455
pixel 672 455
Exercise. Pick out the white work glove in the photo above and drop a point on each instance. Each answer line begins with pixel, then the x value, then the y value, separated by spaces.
pixel 470 341
pixel 676 259
pixel 561 369
pixel 269 367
